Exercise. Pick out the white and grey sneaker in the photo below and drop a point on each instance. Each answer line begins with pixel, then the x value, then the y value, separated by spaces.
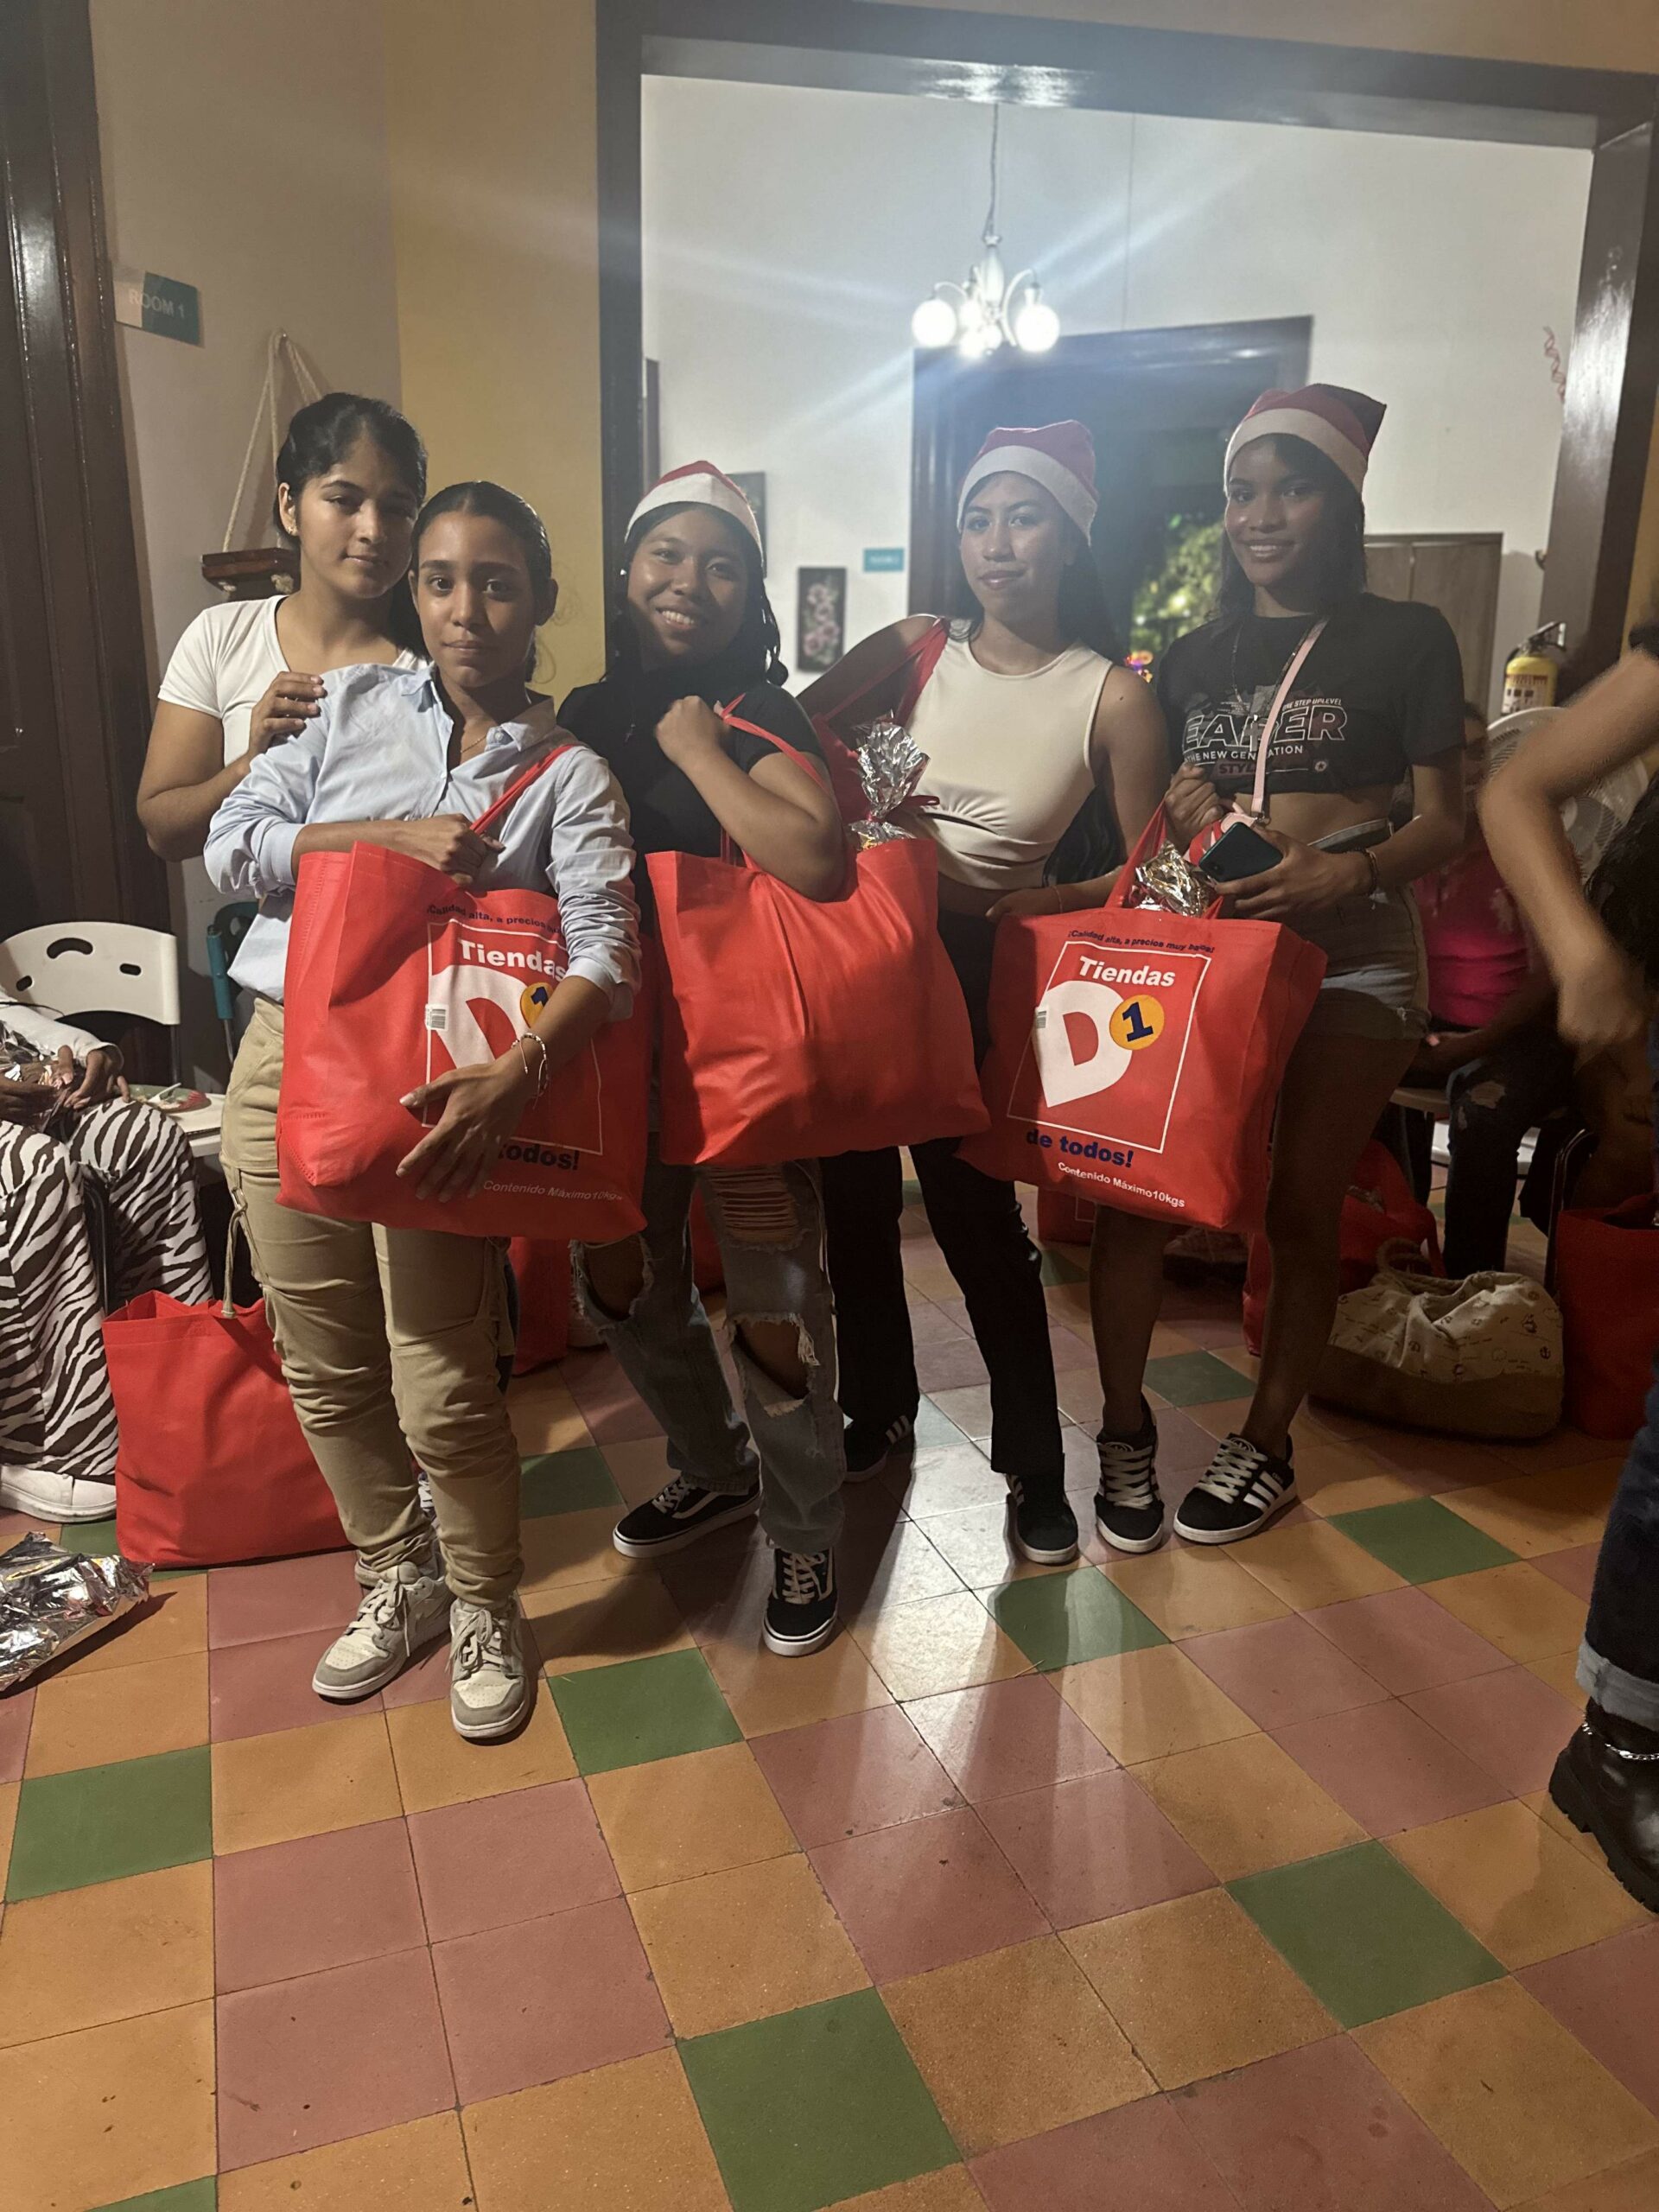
pixel 401 1614
pixel 490 1690
pixel 54 1497
pixel 869 1449
pixel 1243 1489
pixel 681 1511
pixel 1128 1505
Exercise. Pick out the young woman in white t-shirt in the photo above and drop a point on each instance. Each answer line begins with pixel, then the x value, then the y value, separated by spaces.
pixel 248 673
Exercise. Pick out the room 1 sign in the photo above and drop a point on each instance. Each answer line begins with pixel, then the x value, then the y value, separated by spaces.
pixel 159 304
pixel 884 560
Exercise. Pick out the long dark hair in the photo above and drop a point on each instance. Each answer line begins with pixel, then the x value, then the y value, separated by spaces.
pixel 1085 618
pixel 481 497
pixel 755 654
pixel 1341 574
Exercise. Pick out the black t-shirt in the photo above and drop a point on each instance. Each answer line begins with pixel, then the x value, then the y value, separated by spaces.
pixel 1381 692
pixel 668 813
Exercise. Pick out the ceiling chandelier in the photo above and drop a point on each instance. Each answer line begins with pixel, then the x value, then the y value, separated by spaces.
pixel 988 311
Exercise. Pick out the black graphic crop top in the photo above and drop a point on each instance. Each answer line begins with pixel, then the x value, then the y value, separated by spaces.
pixel 1381 692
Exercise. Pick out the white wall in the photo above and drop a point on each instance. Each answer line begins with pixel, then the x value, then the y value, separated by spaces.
pixel 789 234
pixel 244 151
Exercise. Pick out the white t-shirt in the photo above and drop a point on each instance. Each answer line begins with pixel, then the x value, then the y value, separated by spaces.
pixel 225 661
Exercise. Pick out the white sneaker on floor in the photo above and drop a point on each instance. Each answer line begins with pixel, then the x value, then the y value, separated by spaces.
pixel 54 1497
pixel 490 1687
pixel 401 1614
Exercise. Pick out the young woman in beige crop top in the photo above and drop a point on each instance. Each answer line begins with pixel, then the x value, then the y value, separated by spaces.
pixel 1024 717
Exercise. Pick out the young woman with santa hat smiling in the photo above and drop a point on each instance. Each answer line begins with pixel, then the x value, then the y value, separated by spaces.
pixel 1024 716
pixel 1377 698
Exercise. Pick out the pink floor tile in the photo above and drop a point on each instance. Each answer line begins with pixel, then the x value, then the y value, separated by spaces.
pixel 1319 2130
pixel 1137 2159
pixel 423 1682
pixel 1184 1449
pixel 255 1688
pixel 951 1366
pixel 499 1860
pixel 932 1323
pixel 1405 1641
pixel 1608 1996
pixel 847 1777
pixel 1072 1349
pixel 625 1423
pixel 1574 1570
pixel 926 1894
pixel 1431 1464
pixel 1511 1725
pixel 16 1710
pixel 1008 1737
pixel 1088 1849
pixel 337 2054
pixel 1282 1671
pixel 14 1527
pixel 1387 1767
pixel 1212 1331
pixel 546 1999
pixel 292 1909
pixel 286 1596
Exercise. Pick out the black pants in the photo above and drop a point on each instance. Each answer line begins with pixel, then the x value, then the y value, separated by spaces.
pixel 982 1233
pixel 1494 1101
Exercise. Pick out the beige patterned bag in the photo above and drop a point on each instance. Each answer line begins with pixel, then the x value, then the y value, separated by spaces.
pixel 1478 1357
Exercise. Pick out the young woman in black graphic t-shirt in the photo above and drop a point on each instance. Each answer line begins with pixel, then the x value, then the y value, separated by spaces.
pixel 1379 698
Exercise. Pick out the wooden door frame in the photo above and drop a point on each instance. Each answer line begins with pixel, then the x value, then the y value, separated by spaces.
pixel 78 502
pixel 951 54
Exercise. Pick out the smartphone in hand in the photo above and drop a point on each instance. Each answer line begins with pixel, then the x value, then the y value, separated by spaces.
pixel 1237 854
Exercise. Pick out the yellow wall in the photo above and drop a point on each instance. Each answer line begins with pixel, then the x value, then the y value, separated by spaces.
pixel 495 227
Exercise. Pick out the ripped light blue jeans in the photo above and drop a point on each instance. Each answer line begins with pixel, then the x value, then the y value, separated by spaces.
pixel 769 1224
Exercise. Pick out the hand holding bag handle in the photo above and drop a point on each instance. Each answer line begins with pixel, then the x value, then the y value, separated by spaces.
pixel 729 850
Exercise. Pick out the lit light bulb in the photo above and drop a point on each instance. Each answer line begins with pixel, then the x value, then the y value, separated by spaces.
pixel 934 322
pixel 1036 327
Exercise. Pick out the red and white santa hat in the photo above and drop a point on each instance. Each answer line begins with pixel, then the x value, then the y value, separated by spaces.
pixel 699 483
pixel 1060 456
pixel 1335 422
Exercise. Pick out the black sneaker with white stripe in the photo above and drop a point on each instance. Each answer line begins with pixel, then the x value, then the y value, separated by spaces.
pixel 681 1512
pixel 1045 1527
pixel 1128 1507
pixel 1241 1490
pixel 869 1449
pixel 802 1614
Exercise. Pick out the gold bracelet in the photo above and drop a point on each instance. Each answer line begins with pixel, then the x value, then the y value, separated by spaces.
pixel 531 1038
pixel 1377 874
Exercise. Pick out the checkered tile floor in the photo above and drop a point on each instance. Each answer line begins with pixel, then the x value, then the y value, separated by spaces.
pixel 1216 1881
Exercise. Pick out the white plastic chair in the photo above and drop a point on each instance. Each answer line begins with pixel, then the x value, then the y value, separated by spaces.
pixel 75 968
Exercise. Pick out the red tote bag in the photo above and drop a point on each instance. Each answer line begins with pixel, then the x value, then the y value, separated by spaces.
pixel 394 976
pixel 211 1468
pixel 1607 1286
pixel 793 1026
pixel 1136 1055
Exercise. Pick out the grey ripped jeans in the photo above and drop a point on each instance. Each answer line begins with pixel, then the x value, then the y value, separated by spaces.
pixel 769 1224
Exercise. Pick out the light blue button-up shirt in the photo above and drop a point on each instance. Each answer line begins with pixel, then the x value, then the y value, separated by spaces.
pixel 378 751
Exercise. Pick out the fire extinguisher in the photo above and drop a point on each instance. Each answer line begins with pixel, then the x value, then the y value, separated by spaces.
pixel 1533 670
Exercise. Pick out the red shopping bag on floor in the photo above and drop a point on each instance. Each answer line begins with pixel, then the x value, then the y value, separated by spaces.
pixel 1606 1283
pixel 1136 1055
pixel 796 1026
pixel 1379 1210
pixel 211 1467
pixel 396 976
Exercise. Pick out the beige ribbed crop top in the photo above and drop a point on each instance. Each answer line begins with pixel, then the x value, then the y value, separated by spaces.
pixel 1007 760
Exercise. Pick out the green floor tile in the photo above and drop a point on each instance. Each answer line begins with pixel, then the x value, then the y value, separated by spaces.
pixel 566 1482
pixel 814 2107
pixel 1058 1620
pixel 643 1709
pixel 1062 1265
pixel 104 1821
pixel 1423 1540
pixel 1195 1378
pixel 94 1539
pixel 187 2196
pixel 1365 1935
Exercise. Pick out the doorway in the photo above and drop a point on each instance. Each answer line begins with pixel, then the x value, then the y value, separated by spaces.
pixel 1159 405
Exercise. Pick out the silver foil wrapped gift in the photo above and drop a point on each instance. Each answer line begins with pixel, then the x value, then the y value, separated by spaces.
pixel 890 765
pixel 52 1599
pixel 1169 879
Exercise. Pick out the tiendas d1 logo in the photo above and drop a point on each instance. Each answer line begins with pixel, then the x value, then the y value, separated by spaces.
pixel 1108 1041
pixel 486 985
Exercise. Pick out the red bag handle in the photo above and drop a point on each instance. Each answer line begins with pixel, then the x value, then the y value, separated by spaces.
pixel 494 813
pixel 728 851
pixel 922 658
pixel 1155 834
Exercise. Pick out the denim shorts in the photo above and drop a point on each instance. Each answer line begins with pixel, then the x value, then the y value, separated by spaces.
pixel 1376 973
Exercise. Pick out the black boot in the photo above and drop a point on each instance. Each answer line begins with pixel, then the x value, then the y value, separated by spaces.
pixel 1607 1783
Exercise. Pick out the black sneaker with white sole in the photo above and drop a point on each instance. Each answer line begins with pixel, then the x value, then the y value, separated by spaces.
pixel 1045 1527
pixel 681 1512
pixel 870 1449
pixel 1128 1507
pixel 802 1614
pixel 1243 1489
